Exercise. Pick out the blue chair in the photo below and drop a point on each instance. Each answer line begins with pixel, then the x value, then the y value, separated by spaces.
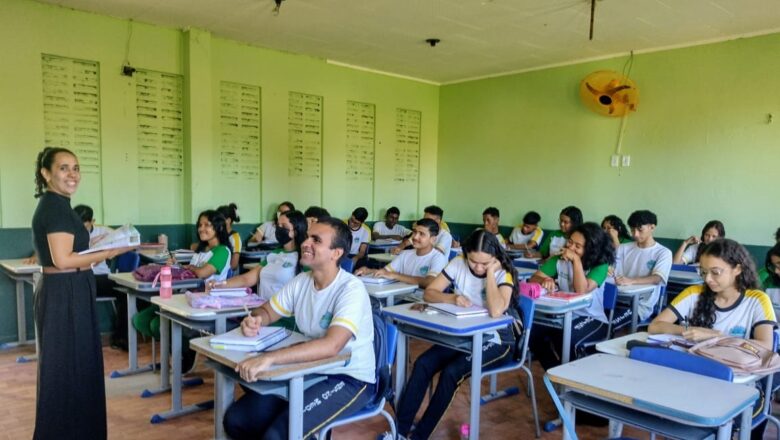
pixel 683 361
pixel 657 308
pixel 525 264
pixel 452 255
pixel 526 310
pixel 685 267
pixel 127 262
pixel 384 383
pixel 347 264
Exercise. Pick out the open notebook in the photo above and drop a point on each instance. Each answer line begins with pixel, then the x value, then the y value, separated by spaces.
pixel 235 340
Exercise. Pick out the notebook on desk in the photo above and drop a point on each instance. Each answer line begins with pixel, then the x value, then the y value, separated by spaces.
pixel 235 339
pixel 564 297
pixel 230 291
pixel 458 311
pixel 368 279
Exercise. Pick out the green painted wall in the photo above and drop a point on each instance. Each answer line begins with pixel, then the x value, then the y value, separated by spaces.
pixel 169 204
pixel 700 144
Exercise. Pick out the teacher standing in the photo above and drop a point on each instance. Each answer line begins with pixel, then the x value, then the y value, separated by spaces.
pixel 71 398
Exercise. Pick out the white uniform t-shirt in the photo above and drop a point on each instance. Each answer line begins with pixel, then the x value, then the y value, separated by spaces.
pixel 565 281
pixel 382 229
pixel 358 237
pixel 739 320
pixel 633 262
pixel 465 283
pixel 278 269
pixel 98 231
pixel 344 303
pixel 409 263
pixel 444 242
pixel 199 259
pixel 517 236
pixel 689 256
pixel 269 232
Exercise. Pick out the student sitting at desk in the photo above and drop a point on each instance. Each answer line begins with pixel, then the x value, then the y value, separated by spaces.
pixel 230 212
pixel 769 275
pixel 361 235
pixel 278 267
pixel 528 235
pixel 443 239
pixel 331 307
pixel 483 276
pixel 616 229
pixel 210 262
pixel 581 267
pixel 314 214
pixel 688 252
pixel 491 218
pixel 414 266
pixel 390 229
pixel 553 243
pixel 265 233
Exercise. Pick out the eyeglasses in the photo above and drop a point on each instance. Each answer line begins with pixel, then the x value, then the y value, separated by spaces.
pixel 715 272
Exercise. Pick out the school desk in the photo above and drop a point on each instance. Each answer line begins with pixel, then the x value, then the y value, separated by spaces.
pixel 21 273
pixel 176 313
pixel 382 258
pixel 685 277
pixel 462 334
pixel 135 289
pixel 632 294
pixel 389 291
pixel 255 255
pixel 286 381
pixel 672 402
pixel 559 315
pixel 382 245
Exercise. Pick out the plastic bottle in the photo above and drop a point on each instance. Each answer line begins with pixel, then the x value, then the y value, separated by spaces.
pixel 166 281
pixel 465 430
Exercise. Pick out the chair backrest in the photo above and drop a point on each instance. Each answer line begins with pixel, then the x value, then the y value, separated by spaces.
pixel 682 361
pixel 525 308
pixel 127 262
pixel 685 267
pixel 452 255
pixel 385 337
pixel 610 296
pixel 525 264
pixel 347 264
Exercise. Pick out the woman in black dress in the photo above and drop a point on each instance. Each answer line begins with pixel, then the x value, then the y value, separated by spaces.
pixel 71 400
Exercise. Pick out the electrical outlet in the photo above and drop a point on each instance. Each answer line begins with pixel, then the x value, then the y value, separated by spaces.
pixel 615 161
pixel 626 160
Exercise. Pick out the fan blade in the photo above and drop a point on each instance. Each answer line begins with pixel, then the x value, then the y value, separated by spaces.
pixel 592 90
pixel 614 90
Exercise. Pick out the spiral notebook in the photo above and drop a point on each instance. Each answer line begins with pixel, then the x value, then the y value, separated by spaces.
pixel 235 339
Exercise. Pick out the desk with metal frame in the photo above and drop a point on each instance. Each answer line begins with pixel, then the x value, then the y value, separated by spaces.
pixel 21 273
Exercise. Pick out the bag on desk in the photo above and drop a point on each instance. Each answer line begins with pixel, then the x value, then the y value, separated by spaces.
pixel 531 290
pixel 148 272
pixel 742 355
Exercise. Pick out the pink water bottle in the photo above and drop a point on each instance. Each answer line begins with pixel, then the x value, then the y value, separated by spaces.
pixel 166 281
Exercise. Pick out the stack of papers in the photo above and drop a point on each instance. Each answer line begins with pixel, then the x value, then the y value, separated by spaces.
pixel 235 340
pixel 368 279
pixel 387 241
pixel 458 311
pixel 235 292
pixel 124 236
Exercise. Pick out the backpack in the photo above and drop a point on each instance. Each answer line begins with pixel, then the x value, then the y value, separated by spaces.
pixel 742 355
pixel 383 381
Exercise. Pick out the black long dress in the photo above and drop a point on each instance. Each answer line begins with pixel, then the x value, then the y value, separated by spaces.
pixel 71 400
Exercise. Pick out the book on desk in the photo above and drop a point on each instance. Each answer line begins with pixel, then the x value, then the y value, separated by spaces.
pixel 232 292
pixel 235 339
pixel 458 311
pixel 368 279
pixel 563 297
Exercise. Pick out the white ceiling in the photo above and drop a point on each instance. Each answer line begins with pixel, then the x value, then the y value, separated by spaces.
pixel 478 37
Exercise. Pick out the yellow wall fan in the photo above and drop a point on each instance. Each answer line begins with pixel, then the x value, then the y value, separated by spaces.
pixel 609 93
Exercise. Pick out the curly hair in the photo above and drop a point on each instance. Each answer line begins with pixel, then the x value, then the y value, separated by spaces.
pixel 734 254
pixel 484 241
pixel 773 252
pixel 617 224
pixel 598 246
pixel 712 224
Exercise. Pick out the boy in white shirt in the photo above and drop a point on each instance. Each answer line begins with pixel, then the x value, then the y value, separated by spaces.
pixel 360 235
pixel 443 240
pixel 332 308
pixel 644 261
pixel 390 229
pixel 528 235
pixel 491 218
pixel 418 266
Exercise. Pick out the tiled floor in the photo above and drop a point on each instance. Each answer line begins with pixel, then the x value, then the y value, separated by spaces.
pixel 128 414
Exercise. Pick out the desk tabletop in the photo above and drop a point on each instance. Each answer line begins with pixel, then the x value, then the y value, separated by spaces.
pixel 178 305
pixel 126 279
pixel 19 267
pixel 384 243
pixel 447 324
pixel 560 307
pixel 385 290
pixel 384 258
pixel 524 272
pixel 231 358
pixel 635 289
pixel 685 277
pixel 678 395
pixel 258 254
